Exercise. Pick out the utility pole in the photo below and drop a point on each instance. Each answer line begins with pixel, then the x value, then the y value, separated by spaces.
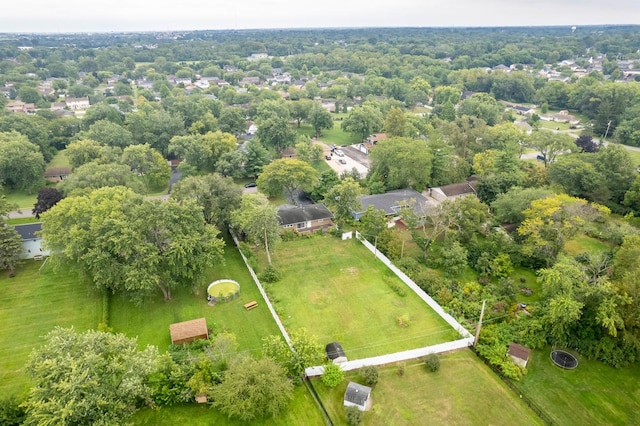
pixel 607 132
pixel 475 342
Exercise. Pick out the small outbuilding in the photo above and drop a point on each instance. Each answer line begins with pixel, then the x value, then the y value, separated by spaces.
pixel 519 354
pixel 358 396
pixel 335 353
pixel 188 331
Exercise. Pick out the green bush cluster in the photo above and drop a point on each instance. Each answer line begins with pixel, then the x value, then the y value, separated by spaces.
pixel 271 275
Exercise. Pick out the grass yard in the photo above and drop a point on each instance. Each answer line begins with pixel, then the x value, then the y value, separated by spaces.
pixel 584 244
pixel 150 323
pixel 591 394
pixel 23 220
pixel 302 410
pixel 32 304
pixel 336 136
pixel 338 291
pixel 635 157
pixel 463 391
pixel 59 160
pixel 530 281
pixel 21 199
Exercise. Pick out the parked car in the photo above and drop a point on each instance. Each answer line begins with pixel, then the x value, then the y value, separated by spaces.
pixel 327 157
pixel 540 157
pixel 339 153
pixel 332 147
pixel 251 185
pixel 342 161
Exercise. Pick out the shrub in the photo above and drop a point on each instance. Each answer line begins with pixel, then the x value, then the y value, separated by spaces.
pixel 289 235
pixel 401 369
pixel 11 412
pixel 332 375
pixel 432 361
pixel 404 320
pixel 270 274
pixel 354 416
pixel 399 289
pixel 370 374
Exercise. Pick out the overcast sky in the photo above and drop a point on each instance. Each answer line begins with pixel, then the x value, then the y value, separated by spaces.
pixel 145 15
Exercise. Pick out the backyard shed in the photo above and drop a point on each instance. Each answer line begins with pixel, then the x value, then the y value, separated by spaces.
pixel 358 396
pixel 335 353
pixel 519 354
pixel 188 331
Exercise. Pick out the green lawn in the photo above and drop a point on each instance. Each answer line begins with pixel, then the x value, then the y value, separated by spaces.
pixel 21 199
pixel 150 323
pixel 338 291
pixel 591 394
pixel 59 160
pixel 33 303
pixel 23 220
pixel 464 391
pixel 302 410
pixel 584 244
pixel 530 281
pixel 635 157
pixel 337 137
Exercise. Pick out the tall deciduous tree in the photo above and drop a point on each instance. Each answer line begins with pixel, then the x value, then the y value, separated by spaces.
pixel 21 163
pixel 126 244
pixel 276 133
pixel 300 109
pixel 402 162
pixel 258 220
pixel 147 163
pixel 363 121
pixel 253 389
pixel 47 198
pixel 87 378
pixel 550 144
pixel 319 118
pixel 287 175
pixel 307 351
pixel 93 176
pixel 218 196
pixel 256 157
pixel 82 152
pixel 343 198
pixel 395 123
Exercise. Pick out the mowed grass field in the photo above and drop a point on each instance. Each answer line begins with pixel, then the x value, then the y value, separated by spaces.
pixel 150 322
pixel 31 304
pixel 302 410
pixel 339 292
pixel 591 394
pixel 463 392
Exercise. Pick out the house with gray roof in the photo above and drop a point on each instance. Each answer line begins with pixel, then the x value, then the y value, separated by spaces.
pixel 31 242
pixel 305 219
pixel 358 396
pixel 393 201
pixel 453 191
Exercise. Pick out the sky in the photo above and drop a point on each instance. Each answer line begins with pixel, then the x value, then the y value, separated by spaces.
pixel 162 15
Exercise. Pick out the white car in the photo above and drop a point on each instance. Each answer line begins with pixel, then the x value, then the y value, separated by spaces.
pixel 339 153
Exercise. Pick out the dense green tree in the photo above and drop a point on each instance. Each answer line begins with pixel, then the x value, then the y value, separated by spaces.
pixel 232 120
pixel 550 144
pixel 276 133
pixel 363 121
pixel 402 162
pixel 21 163
pixel 615 164
pixel 154 126
pixel 125 244
pixel 483 106
pixel 509 206
pixel 395 123
pixel 87 378
pixel 579 178
pixel 203 151
pixel 305 351
pixel 342 198
pixel 328 179
pixel 107 133
pixel 101 111
pixel 256 157
pixel 319 118
pixel 299 110
pixel 10 247
pixel 147 163
pixel 217 196
pixel 47 198
pixel 82 151
pixel 287 175
pixel 253 389
pixel 91 176
pixel 34 127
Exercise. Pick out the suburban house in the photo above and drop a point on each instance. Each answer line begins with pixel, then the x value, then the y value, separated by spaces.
pixel 335 353
pixel 77 103
pixel 519 354
pixel 453 191
pixel 522 110
pixel 358 396
pixel 366 145
pixel 305 219
pixel 21 107
pixel 31 243
pixel 257 56
pixel 188 331
pixel 56 174
pixel 393 201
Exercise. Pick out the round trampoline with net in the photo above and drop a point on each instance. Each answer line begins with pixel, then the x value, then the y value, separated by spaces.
pixel 564 359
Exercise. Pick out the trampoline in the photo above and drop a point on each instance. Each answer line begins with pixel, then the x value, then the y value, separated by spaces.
pixel 564 359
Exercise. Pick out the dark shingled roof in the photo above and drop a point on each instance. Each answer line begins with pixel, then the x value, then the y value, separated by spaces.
pixel 28 231
pixel 357 394
pixel 391 201
pixel 459 189
pixel 334 350
pixel 519 351
pixel 290 215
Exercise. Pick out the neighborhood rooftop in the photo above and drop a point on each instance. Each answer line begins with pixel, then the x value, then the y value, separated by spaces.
pixel 357 393
pixel 28 231
pixel 391 202
pixel 289 214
